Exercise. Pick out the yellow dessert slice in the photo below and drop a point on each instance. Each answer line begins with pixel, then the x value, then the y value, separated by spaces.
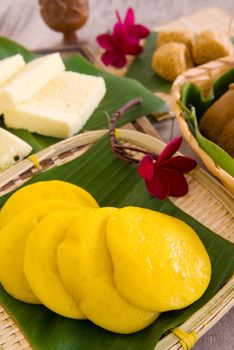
pixel 13 238
pixel 159 261
pixel 40 264
pixel 32 194
pixel 86 270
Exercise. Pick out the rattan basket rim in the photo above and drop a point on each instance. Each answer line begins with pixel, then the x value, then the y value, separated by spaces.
pixel 222 302
pixel 203 76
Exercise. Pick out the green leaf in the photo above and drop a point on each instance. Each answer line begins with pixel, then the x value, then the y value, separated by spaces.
pixel 219 156
pixel 46 330
pixel 194 105
pixel 119 91
pixel 141 69
pixel 221 84
pixel 10 48
pixel 191 95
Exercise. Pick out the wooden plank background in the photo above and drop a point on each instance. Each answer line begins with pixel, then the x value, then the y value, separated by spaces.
pixel 20 20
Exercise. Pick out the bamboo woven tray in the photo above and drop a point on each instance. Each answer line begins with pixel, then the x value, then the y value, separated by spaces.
pixel 203 76
pixel 215 210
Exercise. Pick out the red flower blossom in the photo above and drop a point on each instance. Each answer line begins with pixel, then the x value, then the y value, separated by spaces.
pixel 123 41
pixel 164 176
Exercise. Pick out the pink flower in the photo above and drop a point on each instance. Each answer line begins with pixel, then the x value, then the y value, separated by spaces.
pixel 164 176
pixel 123 41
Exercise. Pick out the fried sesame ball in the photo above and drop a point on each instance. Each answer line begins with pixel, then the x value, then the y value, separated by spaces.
pixel 183 36
pixel 210 45
pixel 171 60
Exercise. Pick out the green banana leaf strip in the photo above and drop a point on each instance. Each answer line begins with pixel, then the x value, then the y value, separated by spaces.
pixel 10 48
pixel 219 156
pixel 119 91
pixel 191 95
pixel 46 330
pixel 222 83
pixel 194 105
pixel 141 70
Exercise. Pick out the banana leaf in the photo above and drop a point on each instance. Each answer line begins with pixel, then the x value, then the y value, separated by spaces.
pixel 191 95
pixel 219 156
pixel 222 83
pixel 10 48
pixel 119 91
pixel 194 105
pixel 141 70
pixel 113 183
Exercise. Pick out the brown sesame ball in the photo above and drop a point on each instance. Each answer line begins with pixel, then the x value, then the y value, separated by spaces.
pixel 171 60
pixel 210 45
pixel 184 36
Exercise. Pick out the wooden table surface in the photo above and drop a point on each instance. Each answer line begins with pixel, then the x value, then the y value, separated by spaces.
pixel 20 20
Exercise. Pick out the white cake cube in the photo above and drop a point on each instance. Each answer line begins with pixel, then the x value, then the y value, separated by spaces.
pixel 30 80
pixel 61 108
pixel 10 66
pixel 12 149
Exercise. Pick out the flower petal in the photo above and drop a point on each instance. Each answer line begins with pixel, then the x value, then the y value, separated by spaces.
pixel 109 57
pixel 114 58
pixel 119 35
pixel 129 18
pixel 170 149
pixel 146 167
pixel 105 41
pixel 118 16
pixel 177 183
pixel 120 60
pixel 131 47
pixel 120 43
pixel 179 163
pixel 159 187
pixel 138 31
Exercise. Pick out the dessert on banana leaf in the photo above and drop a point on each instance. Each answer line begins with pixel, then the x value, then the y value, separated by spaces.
pixel 119 268
pixel 178 50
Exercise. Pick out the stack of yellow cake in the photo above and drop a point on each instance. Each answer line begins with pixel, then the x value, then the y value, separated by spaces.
pixel 119 268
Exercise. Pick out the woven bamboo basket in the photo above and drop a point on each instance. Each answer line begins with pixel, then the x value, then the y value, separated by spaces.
pixel 215 210
pixel 203 76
